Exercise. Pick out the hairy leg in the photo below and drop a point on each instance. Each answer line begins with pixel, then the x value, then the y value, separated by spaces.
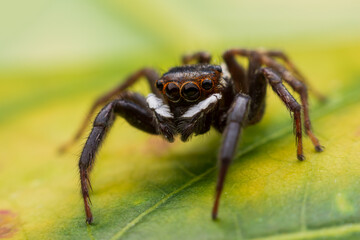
pixel 198 57
pixel 257 89
pixel 135 114
pixel 150 75
pixel 236 120
pixel 295 71
pixel 291 104
pixel 236 70
pixel 254 80
pixel 300 88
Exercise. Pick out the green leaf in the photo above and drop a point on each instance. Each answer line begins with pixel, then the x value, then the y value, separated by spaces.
pixel 145 188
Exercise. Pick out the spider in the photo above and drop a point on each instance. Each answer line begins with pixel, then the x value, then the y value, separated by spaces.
pixel 191 98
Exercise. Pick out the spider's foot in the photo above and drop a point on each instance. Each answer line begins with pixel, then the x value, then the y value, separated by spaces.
pixel 214 216
pixel 89 220
pixel 319 148
pixel 300 157
pixel 315 141
pixel 214 212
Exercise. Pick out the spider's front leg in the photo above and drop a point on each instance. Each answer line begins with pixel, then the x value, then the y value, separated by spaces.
pixel 236 120
pixel 133 108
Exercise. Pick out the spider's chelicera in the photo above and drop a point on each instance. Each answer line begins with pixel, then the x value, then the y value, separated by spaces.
pixel 191 98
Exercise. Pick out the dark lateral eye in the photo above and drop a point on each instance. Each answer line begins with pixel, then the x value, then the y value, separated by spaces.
pixel 207 84
pixel 190 91
pixel 160 84
pixel 172 91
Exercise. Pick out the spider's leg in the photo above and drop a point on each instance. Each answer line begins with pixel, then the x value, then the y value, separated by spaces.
pixel 251 83
pixel 150 75
pixel 198 57
pixel 295 70
pixel 236 119
pixel 291 104
pixel 138 116
pixel 237 72
pixel 257 89
pixel 300 88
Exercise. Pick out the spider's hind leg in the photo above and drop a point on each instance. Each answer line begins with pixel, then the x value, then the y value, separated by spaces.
pixel 301 89
pixel 198 57
pixel 281 55
pixel 151 76
pixel 291 104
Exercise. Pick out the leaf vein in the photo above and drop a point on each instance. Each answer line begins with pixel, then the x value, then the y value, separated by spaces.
pixel 242 152
pixel 275 135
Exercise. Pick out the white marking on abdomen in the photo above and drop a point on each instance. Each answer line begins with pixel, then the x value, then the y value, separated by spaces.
pixel 192 111
pixel 158 106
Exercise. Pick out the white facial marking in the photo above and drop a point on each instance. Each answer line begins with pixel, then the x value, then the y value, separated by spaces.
pixel 225 70
pixel 192 111
pixel 158 106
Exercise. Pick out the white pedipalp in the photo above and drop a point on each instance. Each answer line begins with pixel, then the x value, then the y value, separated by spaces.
pixel 158 106
pixel 226 76
pixel 225 71
pixel 192 111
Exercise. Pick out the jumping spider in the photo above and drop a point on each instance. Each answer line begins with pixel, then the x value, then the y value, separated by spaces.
pixel 189 99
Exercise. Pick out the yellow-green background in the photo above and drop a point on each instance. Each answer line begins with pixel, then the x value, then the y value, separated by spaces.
pixel 57 56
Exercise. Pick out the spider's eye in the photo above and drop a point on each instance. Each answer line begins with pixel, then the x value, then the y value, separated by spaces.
pixel 207 84
pixel 160 85
pixel 172 91
pixel 190 91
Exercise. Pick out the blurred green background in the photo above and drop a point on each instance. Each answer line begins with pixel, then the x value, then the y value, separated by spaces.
pixel 57 56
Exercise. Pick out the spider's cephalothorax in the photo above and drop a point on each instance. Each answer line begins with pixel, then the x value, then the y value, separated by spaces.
pixel 190 95
pixel 191 83
pixel 189 99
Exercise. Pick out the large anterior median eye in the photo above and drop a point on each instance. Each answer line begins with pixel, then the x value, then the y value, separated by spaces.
pixel 190 91
pixel 172 91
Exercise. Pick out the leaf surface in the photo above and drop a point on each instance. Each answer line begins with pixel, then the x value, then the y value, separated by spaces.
pixel 145 188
